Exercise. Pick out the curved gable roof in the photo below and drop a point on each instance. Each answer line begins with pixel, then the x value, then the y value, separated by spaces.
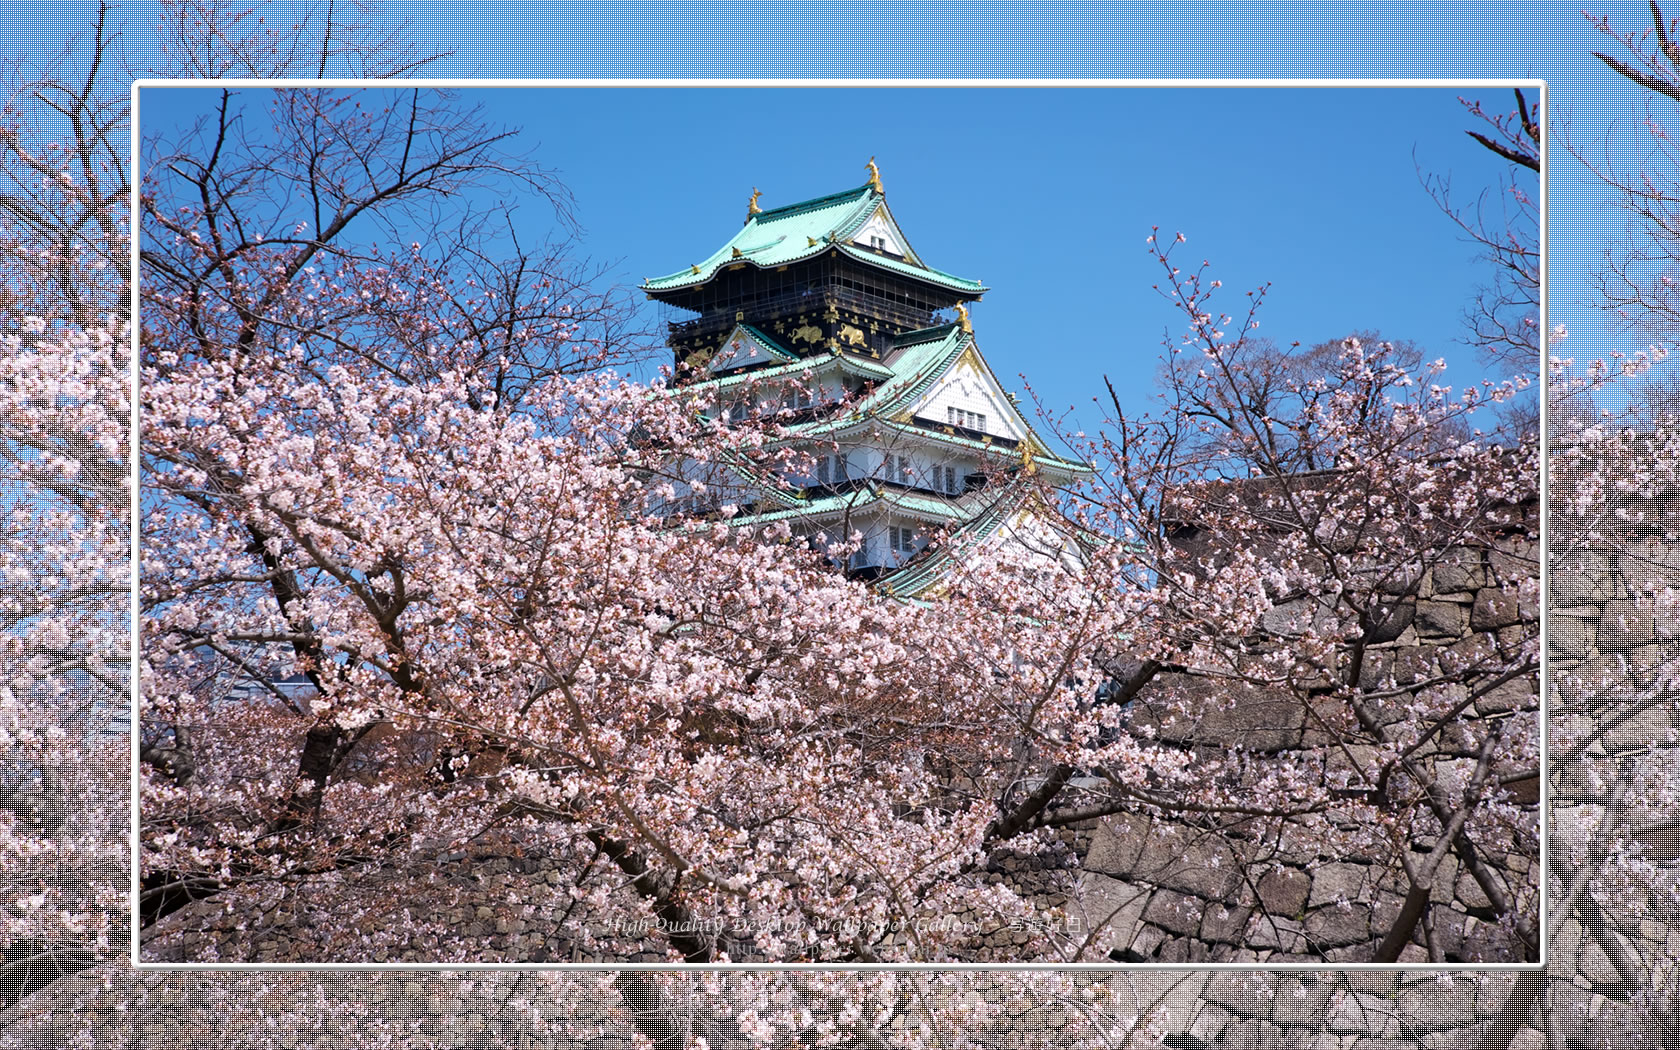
pixel 795 232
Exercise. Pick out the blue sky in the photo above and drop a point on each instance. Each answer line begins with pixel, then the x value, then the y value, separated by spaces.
pixel 1251 202
pixel 1046 194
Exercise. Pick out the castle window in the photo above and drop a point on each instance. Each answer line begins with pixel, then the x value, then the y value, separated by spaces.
pixel 831 470
pixel 962 417
pixel 942 478
pixel 902 540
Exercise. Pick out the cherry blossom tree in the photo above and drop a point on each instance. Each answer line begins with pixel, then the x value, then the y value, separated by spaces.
pixel 1503 322
pixel 64 466
pixel 63 528
pixel 272 189
pixel 1611 483
pixel 506 652
pixel 1623 798
pixel 63 671
pixel 257 357
pixel 1637 279
pixel 1292 529
pixel 712 732
pixel 213 38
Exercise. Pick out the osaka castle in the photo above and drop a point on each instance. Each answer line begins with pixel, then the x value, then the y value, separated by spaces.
pixel 821 316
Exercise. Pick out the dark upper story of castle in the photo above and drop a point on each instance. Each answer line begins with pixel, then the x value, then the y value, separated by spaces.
pixel 831 273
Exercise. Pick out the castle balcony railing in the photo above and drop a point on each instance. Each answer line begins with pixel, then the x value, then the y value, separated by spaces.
pixel 721 315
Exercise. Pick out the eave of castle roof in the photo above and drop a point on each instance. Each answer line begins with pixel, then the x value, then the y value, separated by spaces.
pixel 796 232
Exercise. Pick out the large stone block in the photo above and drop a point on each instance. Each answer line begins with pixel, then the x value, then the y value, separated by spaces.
pixel 1493 609
pixel 1389 621
pixel 1224 923
pixel 1099 900
pixel 1637 727
pixel 1443 889
pixel 1301 1004
pixel 1334 926
pixel 1515 695
pixel 1571 632
pixel 1283 891
pixel 1210 1024
pixel 1625 623
pixel 1431 1005
pixel 1273 931
pixel 1340 882
pixel 1172 856
pixel 1662 844
pixel 1414 662
pixel 1646 565
pixel 1441 619
pixel 1512 566
pixel 1590 680
pixel 1252 1035
pixel 1292 618
pixel 1372 982
pixel 1177 912
pixel 1239 992
pixel 1351 1013
pixel 1579 578
pixel 1254 721
pixel 1458 570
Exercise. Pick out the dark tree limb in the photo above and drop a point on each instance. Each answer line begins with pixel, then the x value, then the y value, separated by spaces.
pixel 1514 156
pixel 1644 80
pixel 1010 823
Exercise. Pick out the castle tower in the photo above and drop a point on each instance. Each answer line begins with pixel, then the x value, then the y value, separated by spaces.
pixel 822 312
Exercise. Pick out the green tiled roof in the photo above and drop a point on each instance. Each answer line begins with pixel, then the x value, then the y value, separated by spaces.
pixel 944 509
pixel 910 269
pixel 805 230
pixel 916 362
pixel 763 483
pixel 815 366
pixel 832 503
pixel 923 573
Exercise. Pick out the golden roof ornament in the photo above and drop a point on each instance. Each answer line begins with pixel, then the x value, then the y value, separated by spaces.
pixel 962 319
pixel 752 206
pixel 875 177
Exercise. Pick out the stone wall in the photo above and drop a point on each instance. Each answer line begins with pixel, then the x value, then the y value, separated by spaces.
pixel 1613 616
pixel 1609 979
pixel 1179 891
pixel 122 1009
